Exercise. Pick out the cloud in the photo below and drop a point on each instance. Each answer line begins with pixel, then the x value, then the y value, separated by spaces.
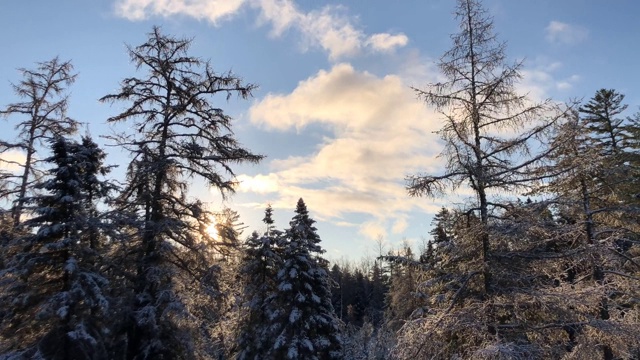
pixel 11 160
pixel 373 230
pixel 211 10
pixel 387 42
pixel 260 184
pixel 329 28
pixel 379 133
pixel 540 83
pixel 563 33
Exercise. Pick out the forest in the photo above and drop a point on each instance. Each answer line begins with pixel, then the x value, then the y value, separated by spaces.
pixel 541 262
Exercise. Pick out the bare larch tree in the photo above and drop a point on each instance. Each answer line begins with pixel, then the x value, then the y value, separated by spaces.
pixel 40 117
pixel 177 133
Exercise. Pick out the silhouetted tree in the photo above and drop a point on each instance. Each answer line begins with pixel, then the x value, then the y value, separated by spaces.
pixel 40 117
pixel 179 134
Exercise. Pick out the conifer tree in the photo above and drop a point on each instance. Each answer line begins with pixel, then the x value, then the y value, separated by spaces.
pixel 474 305
pixel 180 134
pixel 259 270
pixel 54 291
pixel 304 323
pixel 600 117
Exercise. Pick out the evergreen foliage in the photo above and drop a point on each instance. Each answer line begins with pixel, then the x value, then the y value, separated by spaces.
pixel 260 267
pixel 55 294
pixel 304 322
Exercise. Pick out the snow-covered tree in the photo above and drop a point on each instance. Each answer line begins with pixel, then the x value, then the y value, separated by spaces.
pixel 54 293
pixel 304 323
pixel 260 266
pixel 179 134
pixel 40 117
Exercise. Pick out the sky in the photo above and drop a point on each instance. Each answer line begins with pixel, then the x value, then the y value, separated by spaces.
pixel 334 113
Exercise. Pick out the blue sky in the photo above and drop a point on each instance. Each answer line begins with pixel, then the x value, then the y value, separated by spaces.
pixel 334 113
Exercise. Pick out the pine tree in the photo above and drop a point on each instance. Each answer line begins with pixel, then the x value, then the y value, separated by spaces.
pixel 44 117
pixel 305 324
pixel 55 293
pixel 179 134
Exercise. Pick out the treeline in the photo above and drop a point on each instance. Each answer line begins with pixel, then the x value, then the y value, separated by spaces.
pixel 93 268
pixel 543 262
pixel 555 274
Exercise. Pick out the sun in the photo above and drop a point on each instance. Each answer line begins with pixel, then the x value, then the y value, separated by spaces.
pixel 212 231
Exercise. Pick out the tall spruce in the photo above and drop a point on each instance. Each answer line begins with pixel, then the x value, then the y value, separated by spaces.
pixel 54 291
pixel 304 323
pixel 40 117
pixel 179 133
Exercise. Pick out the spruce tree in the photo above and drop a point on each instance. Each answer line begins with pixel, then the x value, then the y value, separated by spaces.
pixel 259 270
pixel 304 324
pixel 54 291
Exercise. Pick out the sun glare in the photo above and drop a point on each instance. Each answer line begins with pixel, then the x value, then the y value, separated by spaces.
pixel 212 231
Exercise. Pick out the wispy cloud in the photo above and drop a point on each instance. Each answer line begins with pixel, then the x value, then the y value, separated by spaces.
pixel 379 134
pixel 210 10
pixel 329 28
pixel 563 33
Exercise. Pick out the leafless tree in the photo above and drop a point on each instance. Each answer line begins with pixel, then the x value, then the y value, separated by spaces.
pixel 40 117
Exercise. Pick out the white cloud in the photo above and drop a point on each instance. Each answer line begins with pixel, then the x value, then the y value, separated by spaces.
pixel 260 184
pixel 380 133
pixel 211 10
pixel 400 226
pixel 563 33
pixel 540 83
pixel 387 42
pixel 329 28
pixel 373 230
pixel 11 160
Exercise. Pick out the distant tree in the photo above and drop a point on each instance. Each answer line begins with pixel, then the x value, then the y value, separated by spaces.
pixel 55 293
pixel 40 117
pixel 229 230
pixel 600 117
pixel 304 323
pixel 179 134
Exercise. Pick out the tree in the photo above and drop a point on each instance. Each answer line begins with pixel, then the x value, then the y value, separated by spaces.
pixel 179 134
pixel 607 131
pixel 480 101
pixel 55 293
pixel 304 323
pixel 259 270
pixel 488 133
pixel 44 116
